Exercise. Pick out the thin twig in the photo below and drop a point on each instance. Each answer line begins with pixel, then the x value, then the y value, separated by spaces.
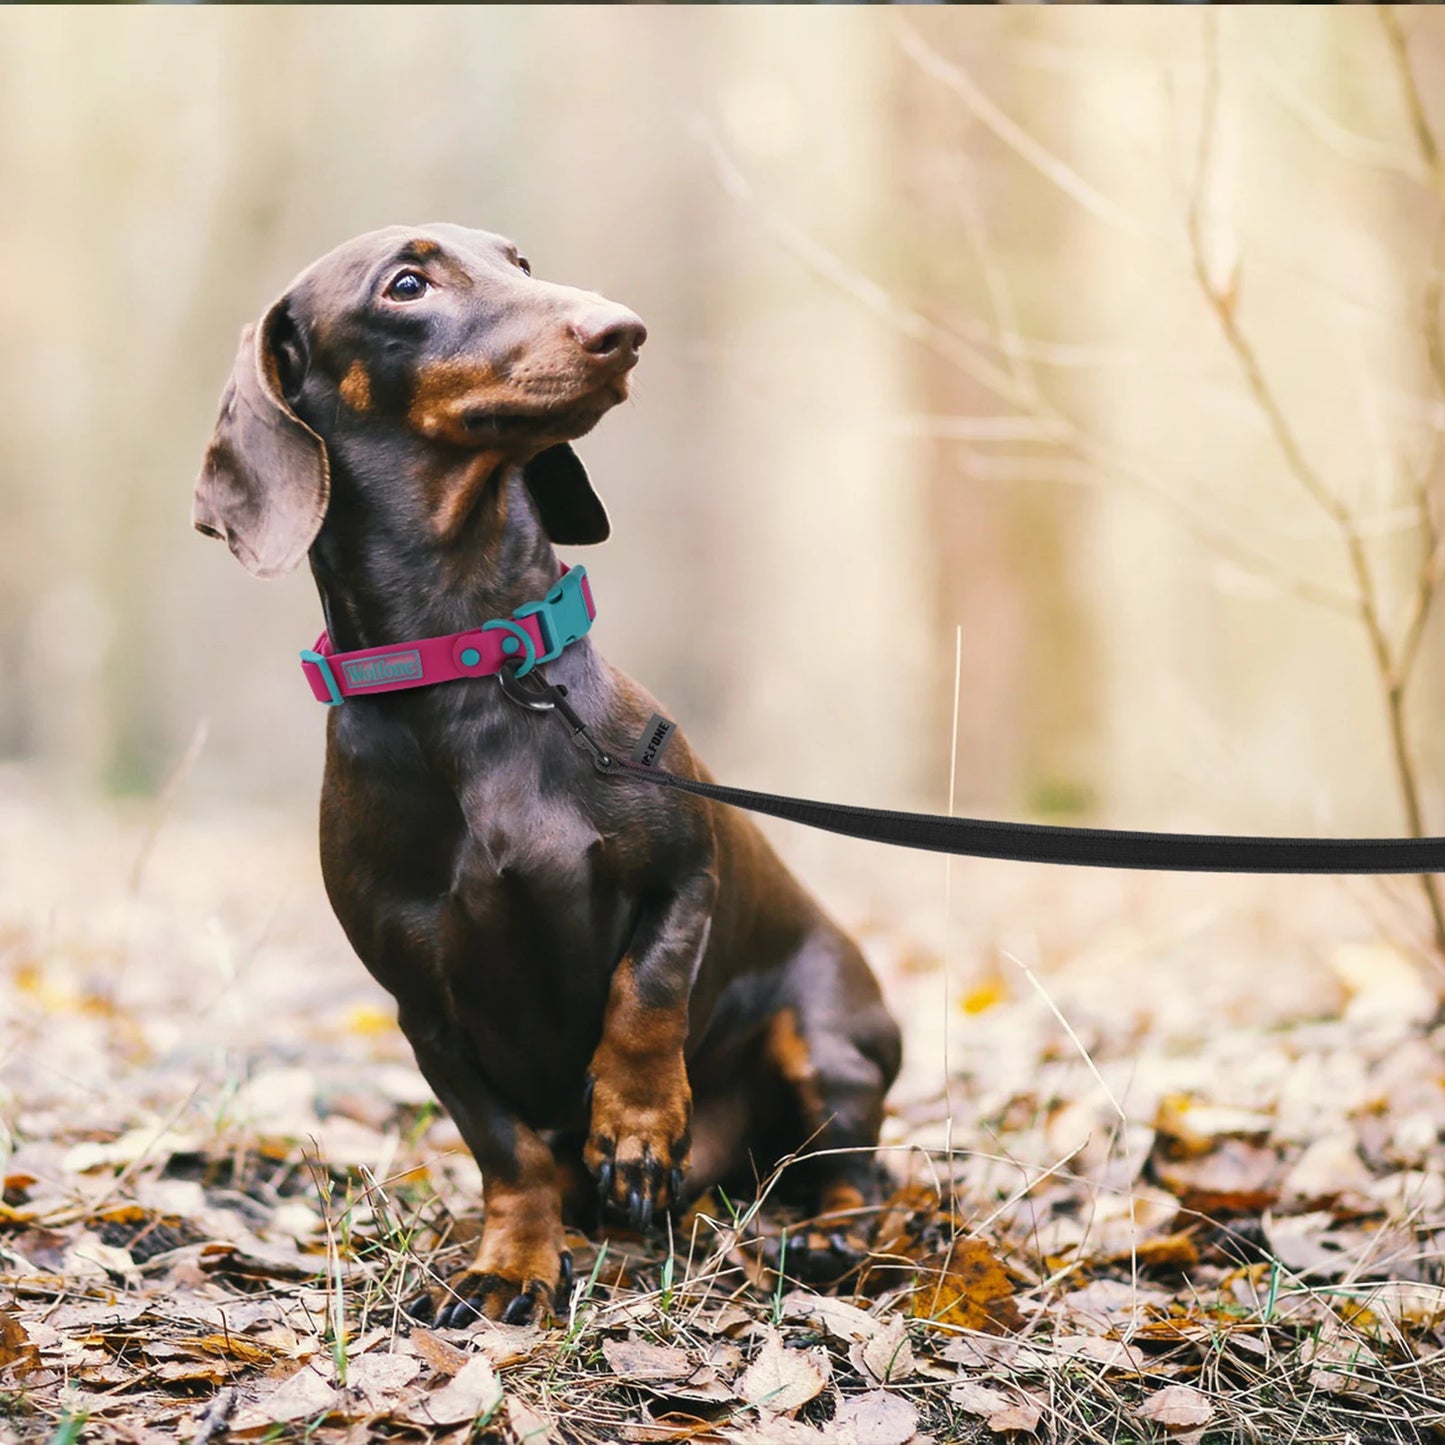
pixel 1429 149
pixel 216 1422
pixel 1012 134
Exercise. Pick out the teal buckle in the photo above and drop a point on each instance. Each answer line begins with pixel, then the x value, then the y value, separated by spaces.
pixel 328 676
pixel 561 615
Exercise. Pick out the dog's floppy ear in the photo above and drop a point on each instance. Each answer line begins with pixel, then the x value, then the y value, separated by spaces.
pixel 571 512
pixel 265 482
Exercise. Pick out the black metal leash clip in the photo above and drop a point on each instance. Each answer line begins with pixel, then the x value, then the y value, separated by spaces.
pixel 535 692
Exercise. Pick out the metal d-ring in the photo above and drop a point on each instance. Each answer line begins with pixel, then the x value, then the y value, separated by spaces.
pixel 512 688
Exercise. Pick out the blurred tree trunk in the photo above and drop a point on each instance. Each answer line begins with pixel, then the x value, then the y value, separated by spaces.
pixel 241 210
pixel 57 633
pixel 1005 551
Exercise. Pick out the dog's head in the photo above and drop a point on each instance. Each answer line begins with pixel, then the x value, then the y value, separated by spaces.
pixel 435 339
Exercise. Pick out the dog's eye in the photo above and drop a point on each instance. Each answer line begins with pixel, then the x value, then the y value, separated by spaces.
pixel 408 286
pixel 524 265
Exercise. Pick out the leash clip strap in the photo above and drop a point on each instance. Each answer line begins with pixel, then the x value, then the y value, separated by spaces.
pixel 540 695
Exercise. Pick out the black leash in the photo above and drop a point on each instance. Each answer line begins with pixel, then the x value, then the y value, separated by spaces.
pixel 1021 842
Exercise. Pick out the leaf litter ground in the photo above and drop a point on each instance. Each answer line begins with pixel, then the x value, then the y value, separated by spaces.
pixel 1166 1155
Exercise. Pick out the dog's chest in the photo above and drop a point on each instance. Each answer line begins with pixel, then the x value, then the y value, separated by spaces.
pixel 537 922
pixel 522 832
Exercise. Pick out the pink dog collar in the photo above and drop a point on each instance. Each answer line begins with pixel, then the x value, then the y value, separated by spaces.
pixel 535 633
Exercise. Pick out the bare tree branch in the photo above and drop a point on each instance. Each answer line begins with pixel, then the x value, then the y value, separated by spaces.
pixel 1000 296
pixel 1429 149
pixel 1349 145
pixel 1055 170
pixel 869 293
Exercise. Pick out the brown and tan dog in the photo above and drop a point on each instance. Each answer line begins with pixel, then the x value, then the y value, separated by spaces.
pixel 619 992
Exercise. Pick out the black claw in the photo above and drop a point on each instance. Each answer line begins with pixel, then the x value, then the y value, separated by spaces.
pixel 674 1187
pixel 519 1311
pixel 422 1309
pixel 564 1275
pixel 605 1174
pixel 644 1212
pixel 839 1245
pixel 634 1206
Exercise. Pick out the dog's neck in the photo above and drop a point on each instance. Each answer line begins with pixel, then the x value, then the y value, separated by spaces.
pixel 388 573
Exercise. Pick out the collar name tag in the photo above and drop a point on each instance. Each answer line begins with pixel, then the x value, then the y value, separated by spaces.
pixel 391 667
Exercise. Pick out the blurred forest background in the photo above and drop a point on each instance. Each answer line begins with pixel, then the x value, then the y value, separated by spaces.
pixel 941 346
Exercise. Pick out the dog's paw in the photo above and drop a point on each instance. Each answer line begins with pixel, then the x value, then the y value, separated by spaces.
pixel 821 1257
pixel 638 1142
pixel 531 1295
pixel 834 1244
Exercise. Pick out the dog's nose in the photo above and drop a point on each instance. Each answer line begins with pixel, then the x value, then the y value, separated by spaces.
pixel 610 332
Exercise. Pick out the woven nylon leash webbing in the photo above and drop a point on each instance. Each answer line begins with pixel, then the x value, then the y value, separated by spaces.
pixel 1083 847
pixel 1023 842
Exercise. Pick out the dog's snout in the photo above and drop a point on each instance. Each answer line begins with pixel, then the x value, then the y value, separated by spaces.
pixel 610 332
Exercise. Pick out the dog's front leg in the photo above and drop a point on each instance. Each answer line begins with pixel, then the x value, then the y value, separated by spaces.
pixel 641 1102
pixel 522 1268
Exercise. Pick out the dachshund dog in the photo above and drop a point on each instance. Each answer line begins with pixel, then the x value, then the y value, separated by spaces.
pixel 618 991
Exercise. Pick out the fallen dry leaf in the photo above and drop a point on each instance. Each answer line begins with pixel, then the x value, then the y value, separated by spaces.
pixel 1402 1302
pixel 837 1317
pixel 376 1379
pixel 778 1431
pixel 191 1371
pixel 968 1288
pixel 473 1393
pixel 1310 1244
pixel 673 1425
pixel 781 1380
pixel 504 1345
pixel 979 1399
pixel 305 1395
pixel 1338 1361
pixel 444 1358
pixel 877 1418
pixel 1383 984
pixel 1023 1416
pixel 886 1356
pixel 705 1386
pixel 528 1426
pixel 1001 1410
pixel 1195 1125
pixel 1237 1177
pixel 231 1346
pixel 1177 1407
pixel 640 1360
pixel 1330 1171
pixel 16 1349
pixel 1066 1350
pixel 1166 1250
